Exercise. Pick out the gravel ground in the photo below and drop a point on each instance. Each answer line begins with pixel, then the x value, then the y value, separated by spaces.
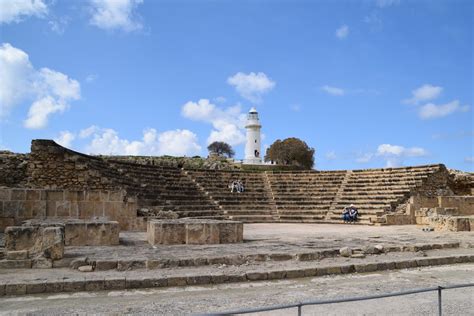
pixel 207 299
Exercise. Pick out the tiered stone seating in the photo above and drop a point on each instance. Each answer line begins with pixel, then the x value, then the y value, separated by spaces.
pixel 165 188
pixel 377 191
pixel 253 205
pixel 304 196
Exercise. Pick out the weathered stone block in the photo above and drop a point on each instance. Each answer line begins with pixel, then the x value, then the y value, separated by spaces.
pixel 114 283
pixel 33 195
pixel 35 287
pixel 15 288
pixel 255 276
pixel 198 280
pixel 101 265
pixel 52 195
pixel 17 255
pixel 74 285
pixel 95 285
pixel 192 231
pixel 5 194
pixel 202 233
pixel 18 195
pixel 37 240
pixel 177 281
pixel 42 263
pixel 53 242
pixel 15 264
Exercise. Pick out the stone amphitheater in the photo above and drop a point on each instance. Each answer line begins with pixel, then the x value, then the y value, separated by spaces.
pixel 71 213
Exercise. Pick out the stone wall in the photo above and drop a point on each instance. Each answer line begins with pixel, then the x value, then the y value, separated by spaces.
pixel 464 204
pixel 13 169
pixel 52 166
pixel 19 204
pixel 437 184
pixel 462 183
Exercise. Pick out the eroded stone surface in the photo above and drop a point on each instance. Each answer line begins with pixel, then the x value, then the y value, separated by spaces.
pixel 193 232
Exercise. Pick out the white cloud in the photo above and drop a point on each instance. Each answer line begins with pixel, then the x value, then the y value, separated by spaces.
pixel 333 90
pixel 49 90
pixel 91 78
pixel 342 32
pixel 400 151
pixel 16 10
pixel 392 154
pixel 251 86
pixel 431 111
pixel 469 159
pixel 86 132
pixel 424 93
pixel 65 138
pixel 227 123
pixel 15 78
pixel 364 158
pixel 386 3
pixel 40 111
pixel 116 14
pixel 220 100
pixel 175 143
pixel 58 25
pixel 331 155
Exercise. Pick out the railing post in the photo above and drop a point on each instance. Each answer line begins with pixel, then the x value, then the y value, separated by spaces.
pixel 299 309
pixel 440 310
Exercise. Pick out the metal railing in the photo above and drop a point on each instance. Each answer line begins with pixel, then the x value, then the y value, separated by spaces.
pixel 300 305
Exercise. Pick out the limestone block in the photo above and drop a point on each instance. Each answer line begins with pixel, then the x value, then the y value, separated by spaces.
pixel 33 195
pixel 230 232
pixel 37 240
pixel 193 231
pixel 102 233
pixel 42 263
pixel 17 255
pixel 345 251
pixel 202 233
pixel 52 195
pixel 20 238
pixel 53 242
pixel 15 264
pixel 5 194
pixel 34 208
pixel 166 232
pixel 18 195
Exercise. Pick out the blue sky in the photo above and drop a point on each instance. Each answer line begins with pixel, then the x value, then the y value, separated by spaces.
pixel 366 83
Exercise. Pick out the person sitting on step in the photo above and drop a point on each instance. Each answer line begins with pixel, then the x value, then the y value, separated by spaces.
pixel 353 213
pixel 233 186
pixel 240 186
pixel 345 215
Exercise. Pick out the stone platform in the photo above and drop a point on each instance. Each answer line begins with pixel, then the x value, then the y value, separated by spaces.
pixel 193 231
pixel 78 232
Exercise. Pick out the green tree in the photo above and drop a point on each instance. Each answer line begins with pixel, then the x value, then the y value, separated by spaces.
pixel 291 151
pixel 221 149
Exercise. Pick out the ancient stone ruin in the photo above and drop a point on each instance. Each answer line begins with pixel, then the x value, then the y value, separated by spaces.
pixel 55 182
pixel 64 209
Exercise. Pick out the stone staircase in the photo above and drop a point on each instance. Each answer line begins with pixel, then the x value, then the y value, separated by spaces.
pixel 376 192
pixel 254 205
pixel 166 189
pixel 304 196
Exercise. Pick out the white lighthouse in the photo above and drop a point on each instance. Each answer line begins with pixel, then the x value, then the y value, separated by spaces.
pixel 252 147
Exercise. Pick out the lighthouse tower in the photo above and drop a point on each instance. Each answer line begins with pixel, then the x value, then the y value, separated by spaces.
pixel 252 147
